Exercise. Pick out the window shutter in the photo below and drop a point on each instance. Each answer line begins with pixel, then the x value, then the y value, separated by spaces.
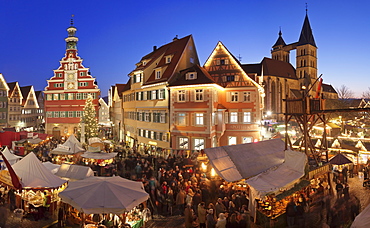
pixel 157 94
pixel 192 119
pixel 149 93
pixel 187 119
pixel 240 117
pixel 150 117
pixel 226 118
pixel 228 96
pixel 164 93
pixel 192 94
pixel 187 95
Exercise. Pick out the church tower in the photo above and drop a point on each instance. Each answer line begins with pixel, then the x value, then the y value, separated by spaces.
pixel 306 55
pixel 279 50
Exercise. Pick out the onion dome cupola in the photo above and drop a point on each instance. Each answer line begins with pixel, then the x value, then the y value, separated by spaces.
pixel 71 40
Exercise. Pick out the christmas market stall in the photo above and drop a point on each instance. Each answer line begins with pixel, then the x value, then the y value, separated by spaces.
pixel 110 198
pixel 68 151
pixel 12 158
pixel 101 161
pixel 74 172
pixel 268 198
pixel 38 184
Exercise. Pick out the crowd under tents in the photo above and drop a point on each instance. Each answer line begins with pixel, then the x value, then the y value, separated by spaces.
pixel 70 147
pixel 237 162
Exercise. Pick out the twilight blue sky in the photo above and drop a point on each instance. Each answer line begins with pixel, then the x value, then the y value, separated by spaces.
pixel 115 34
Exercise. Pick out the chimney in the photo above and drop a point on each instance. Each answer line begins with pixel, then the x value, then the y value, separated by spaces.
pixel 154 48
pixel 176 38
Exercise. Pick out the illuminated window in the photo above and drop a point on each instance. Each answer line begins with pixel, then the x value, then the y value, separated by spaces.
pixel 232 140
pixel 183 143
pixel 137 77
pixel 199 118
pixel 247 139
pixel 246 117
pixel 233 117
pixel 162 94
pixel 198 144
pixel 154 95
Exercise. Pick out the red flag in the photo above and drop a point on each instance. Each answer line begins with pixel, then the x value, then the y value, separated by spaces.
pixel 15 181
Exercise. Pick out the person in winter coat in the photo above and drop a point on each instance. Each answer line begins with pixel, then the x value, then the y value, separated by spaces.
pixel 221 221
pixel 211 222
pixel 180 201
pixel 202 213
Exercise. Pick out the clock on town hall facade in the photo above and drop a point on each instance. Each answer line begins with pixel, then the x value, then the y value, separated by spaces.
pixel 67 90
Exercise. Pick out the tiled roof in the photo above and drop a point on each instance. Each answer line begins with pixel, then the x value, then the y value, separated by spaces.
pixel 203 77
pixel 280 41
pixel 328 88
pixel 278 68
pixel 127 86
pixel 25 90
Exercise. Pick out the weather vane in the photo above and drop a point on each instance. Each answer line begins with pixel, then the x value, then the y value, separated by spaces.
pixel 72 19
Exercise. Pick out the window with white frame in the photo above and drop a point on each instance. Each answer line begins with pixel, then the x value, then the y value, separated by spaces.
pixel 147 134
pixel 56 97
pixel 49 114
pixel 70 113
pixel 83 73
pixel 181 119
pixel 199 95
pixel 247 96
pixel 232 140
pixel 62 114
pixel 154 95
pixel 158 74
pixel 138 77
pixel 78 113
pixel 84 84
pixel 147 116
pixel 247 117
pixel 247 139
pixel 198 144
pixel 183 143
pixel 70 96
pixel 56 114
pixel 85 95
pixel 233 117
pixel 162 117
pixel 234 96
pixel 191 76
pixel 181 95
pixel 161 94
pixel 145 96
pixel 199 118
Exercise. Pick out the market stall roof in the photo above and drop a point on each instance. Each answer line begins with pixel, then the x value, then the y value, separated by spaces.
pixel 74 172
pixel 34 174
pixel 12 158
pixel 51 166
pixel 98 155
pixel 95 140
pixel 362 220
pixel 97 195
pixel 71 146
pixel 243 161
pixel 282 177
pixel 340 159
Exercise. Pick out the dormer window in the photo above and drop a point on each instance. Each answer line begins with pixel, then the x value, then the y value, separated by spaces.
pixel 158 74
pixel 168 59
pixel 144 63
pixel 191 76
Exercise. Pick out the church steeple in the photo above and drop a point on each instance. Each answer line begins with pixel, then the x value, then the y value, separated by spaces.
pixel 71 40
pixel 306 36
pixel 279 50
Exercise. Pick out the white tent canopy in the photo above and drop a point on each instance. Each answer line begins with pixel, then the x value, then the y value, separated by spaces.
pixel 98 155
pixel 34 174
pixel 362 220
pixel 51 166
pixel 284 176
pixel 71 146
pixel 74 172
pixel 97 195
pixel 243 161
pixel 12 158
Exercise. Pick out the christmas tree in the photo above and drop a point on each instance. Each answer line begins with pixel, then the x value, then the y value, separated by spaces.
pixel 89 120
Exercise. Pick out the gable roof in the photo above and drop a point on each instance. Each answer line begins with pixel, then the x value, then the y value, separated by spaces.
pixel 25 90
pixel 203 77
pixel 6 87
pixel 328 88
pixel 175 49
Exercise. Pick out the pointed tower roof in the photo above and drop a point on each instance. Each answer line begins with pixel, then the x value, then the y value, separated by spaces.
pixel 280 41
pixel 306 36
